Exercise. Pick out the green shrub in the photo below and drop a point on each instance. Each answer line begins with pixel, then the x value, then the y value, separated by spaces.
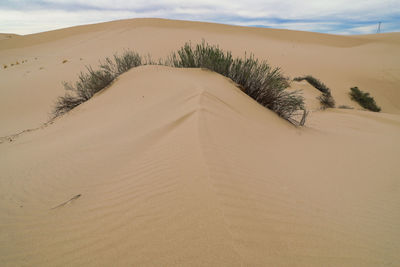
pixel 364 99
pixel 314 82
pixel 345 107
pixel 326 99
pixel 93 81
pixel 256 78
pixel 120 64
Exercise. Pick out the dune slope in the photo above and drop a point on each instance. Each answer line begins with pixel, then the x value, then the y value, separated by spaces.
pixel 178 167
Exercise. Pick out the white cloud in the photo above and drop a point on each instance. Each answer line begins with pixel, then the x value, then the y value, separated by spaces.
pixel 340 16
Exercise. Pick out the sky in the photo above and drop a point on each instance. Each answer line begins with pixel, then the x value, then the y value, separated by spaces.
pixel 326 16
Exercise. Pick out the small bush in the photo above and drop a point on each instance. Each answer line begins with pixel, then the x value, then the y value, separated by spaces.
pixel 121 64
pixel 64 61
pixel 256 78
pixel 314 82
pixel 66 103
pixel 92 81
pixel 345 107
pixel 326 99
pixel 5 66
pixel 364 99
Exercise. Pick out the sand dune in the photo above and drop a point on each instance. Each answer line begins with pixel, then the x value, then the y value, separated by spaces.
pixel 4 36
pixel 339 61
pixel 178 167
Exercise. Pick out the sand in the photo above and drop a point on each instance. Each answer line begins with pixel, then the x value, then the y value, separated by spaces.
pixel 178 167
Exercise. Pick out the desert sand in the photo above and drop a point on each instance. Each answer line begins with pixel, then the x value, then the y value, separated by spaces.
pixel 178 167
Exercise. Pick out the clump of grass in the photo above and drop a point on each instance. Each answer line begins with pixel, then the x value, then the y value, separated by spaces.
pixel 345 107
pixel 256 78
pixel 120 64
pixel 5 66
pixel 326 99
pixel 64 61
pixel 12 64
pixel 17 63
pixel 92 81
pixel 314 82
pixel 364 99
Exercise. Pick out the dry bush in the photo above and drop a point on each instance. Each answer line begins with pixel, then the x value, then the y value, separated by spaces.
pixel 364 99
pixel 92 81
pixel 326 99
pixel 256 78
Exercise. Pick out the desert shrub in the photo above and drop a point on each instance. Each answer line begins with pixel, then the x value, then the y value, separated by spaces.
pixel 121 63
pixel 5 66
pixel 345 107
pixel 326 99
pixel 65 103
pixel 64 61
pixel 314 82
pixel 92 81
pixel 256 78
pixel 202 56
pixel 364 99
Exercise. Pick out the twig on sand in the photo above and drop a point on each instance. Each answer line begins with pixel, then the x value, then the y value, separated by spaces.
pixel 66 202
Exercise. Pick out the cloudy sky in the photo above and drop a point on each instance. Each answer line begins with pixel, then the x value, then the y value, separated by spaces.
pixel 328 16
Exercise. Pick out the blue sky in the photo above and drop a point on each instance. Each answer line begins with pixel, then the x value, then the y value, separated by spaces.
pixel 328 16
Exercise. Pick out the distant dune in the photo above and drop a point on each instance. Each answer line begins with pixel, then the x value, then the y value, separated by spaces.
pixel 4 36
pixel 178 167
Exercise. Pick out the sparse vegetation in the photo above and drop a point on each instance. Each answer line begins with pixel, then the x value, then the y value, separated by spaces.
pixel 5 66
pixel 256 78
pixel 64 61
pixel 345 107
pixel 93 81
pixel 326 99
pixel 364 99
pixel 120 64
